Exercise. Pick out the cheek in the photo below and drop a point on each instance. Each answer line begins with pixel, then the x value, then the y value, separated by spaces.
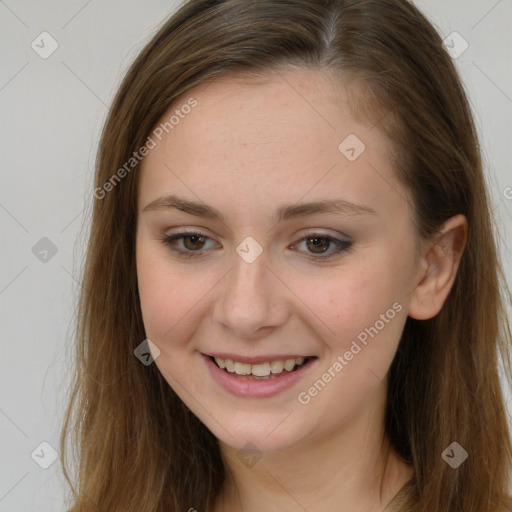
pixel 167 295
pixel 351 299
pixel 363 308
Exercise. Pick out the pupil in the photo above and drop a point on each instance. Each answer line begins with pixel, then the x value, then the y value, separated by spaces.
pixel 319 245
pixel 195 240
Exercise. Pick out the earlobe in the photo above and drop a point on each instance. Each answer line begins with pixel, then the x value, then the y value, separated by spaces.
pixel 438 268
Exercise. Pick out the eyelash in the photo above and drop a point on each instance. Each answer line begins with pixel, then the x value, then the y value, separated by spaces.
pixel 340 245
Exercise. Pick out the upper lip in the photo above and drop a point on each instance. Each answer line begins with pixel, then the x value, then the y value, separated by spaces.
pixel 256 359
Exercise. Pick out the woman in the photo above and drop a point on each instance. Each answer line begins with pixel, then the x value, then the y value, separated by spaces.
pixel 291 299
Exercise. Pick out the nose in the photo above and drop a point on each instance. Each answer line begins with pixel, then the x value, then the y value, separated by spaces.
pixel 251 301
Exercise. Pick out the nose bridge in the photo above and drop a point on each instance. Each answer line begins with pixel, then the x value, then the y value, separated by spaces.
pixel 247 278
pixel 249 296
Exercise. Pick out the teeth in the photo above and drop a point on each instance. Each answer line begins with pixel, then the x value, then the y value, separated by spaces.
pixel 276 366
pixel 289 364
pixel 242 368
pixel 261 369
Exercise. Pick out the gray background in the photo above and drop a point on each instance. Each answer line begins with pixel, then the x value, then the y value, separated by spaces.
pixel 52 114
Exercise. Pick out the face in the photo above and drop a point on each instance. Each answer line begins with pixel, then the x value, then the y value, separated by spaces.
pixel 303 305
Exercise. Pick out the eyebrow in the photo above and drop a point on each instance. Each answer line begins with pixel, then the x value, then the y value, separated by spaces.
pixel 285 212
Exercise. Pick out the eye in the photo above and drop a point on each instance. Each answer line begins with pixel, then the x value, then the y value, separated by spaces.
pixel 319 244
pixel 192 245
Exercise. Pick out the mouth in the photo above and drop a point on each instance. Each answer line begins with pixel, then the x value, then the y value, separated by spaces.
pixel 258 377
pixel 266 370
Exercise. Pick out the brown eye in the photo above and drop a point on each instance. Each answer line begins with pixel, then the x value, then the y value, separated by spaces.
pixel 196 242
pixel 321 247
pixel 318 245
pixel 187 244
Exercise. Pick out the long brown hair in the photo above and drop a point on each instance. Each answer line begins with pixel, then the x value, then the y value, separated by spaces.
pixel 139 447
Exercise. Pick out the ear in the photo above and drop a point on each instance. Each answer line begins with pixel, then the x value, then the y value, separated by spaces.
pixel 438 268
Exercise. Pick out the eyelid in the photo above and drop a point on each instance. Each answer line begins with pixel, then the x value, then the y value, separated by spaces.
pixel 188 231
pixel 320 232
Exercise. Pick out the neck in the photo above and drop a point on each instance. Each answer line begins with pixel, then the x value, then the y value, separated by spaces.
pixel 351 468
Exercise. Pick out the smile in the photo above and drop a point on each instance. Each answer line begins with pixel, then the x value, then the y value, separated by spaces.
pixel 265 370
pixel 258 378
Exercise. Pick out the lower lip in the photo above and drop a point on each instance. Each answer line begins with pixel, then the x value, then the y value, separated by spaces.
pixel 241 386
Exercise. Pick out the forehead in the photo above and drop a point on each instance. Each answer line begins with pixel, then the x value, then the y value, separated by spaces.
pixel 286 134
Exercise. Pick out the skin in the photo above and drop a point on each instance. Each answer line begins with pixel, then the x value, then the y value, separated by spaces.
pixel 248 147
